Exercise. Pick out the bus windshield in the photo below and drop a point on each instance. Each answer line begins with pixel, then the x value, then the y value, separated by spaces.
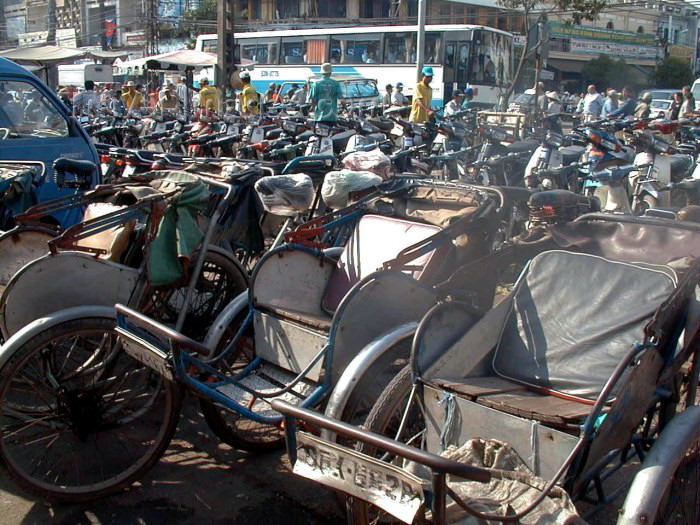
pixel 491 59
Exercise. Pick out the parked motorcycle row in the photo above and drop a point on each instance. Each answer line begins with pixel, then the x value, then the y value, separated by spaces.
pixel 440 321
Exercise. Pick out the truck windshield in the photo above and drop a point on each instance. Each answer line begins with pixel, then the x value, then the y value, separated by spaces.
pixel 26 113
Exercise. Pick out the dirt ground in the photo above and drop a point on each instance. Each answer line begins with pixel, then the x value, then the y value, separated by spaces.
pixel 200 480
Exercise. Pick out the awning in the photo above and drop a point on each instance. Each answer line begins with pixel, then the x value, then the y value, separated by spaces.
pixel 107 55
pixel 565 66
pixel 45 55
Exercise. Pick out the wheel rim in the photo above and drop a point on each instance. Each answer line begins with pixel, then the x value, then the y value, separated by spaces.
pixel 78 415
pixel 681 502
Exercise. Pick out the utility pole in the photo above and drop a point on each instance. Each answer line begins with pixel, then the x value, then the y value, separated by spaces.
pixel 152 27
pixel 51 37
pixel 420 52
pixel 226 60
pixel 102 25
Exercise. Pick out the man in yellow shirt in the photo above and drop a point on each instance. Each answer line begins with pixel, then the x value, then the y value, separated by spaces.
pixel 131 98
pixel 249 97
pixel 422 98
pixel 207 96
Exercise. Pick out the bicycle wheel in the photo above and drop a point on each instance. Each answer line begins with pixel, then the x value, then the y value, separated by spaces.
pixel 220 281
pixel 79 418
pixel 230 427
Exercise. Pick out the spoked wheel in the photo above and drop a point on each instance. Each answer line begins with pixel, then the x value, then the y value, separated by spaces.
pixel 680 504
pixel 219 283
pixel 647 203
pixel 230 427
pixel 79 418
pixel 398 415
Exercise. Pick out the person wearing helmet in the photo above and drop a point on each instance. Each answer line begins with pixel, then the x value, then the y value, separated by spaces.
pixel 468 96
pixel 454 105
pixel 324 96
pixel 208 99
pixel 422 98
pixel 249 97
pixel 644 107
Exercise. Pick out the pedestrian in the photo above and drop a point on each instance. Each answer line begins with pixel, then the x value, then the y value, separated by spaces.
pixel 208 98
pixel 592 104
pixel 324 96
pixel 422 98
pixel 249 97
pixel 610 104
pixel 454 105
pixel 87 102
pixel 184 94
pixel 554 108
pixel 689 102
pixel 628 106
pixel 644 107
pixel 386 99
pixel 301 95
pixel 399 99
pixel 675 108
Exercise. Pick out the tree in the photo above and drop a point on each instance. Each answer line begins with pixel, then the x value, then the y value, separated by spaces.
pixel 673 72
pixel 202 19
pixel 606 72
pixel 536 12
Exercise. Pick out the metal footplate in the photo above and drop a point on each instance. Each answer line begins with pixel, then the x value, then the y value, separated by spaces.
pixel 267 379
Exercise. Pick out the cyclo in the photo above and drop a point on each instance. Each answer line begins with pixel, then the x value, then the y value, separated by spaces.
pixel 514 414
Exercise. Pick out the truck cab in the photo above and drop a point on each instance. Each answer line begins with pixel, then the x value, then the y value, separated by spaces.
pixel 36 129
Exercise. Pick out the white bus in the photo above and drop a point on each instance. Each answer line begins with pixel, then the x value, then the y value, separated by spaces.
pixel 461 56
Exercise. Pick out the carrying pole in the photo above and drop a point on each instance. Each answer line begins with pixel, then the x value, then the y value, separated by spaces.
pixel 420 41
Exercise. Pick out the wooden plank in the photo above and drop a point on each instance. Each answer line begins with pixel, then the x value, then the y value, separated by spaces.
pixel 481 386
pixel 531 405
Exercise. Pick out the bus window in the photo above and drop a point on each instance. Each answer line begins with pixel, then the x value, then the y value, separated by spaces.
pixel 448 74
pixel 299 50
pixel 463 63
pixel 399 48
pixel 260 50
pixel 355 49
pixel 433 48
pixel 210 46
pixel 492 59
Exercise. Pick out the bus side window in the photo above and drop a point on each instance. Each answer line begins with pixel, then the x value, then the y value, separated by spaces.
pixel 449 74
pixel 463 64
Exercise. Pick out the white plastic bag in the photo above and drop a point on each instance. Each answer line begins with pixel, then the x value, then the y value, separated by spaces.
pixel 374 160
pixel 337 186
pixel 286 195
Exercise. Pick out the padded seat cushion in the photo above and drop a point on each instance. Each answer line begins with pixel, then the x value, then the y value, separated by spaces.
pixel 376 240
pixel 573 318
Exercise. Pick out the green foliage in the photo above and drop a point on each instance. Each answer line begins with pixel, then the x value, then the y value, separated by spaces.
pixel 606 72
pixel 673 72
pixel 206 13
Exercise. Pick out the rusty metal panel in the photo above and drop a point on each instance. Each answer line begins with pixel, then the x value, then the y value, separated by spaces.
pixel 17 248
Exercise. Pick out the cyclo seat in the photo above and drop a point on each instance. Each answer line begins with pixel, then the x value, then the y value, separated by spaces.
pixel 79 167
pixel 571 154
pixel 285 195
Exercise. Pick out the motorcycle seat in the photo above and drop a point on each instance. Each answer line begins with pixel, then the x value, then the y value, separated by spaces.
pixel 571 154
pixel 679 165
pixel 147 155
pixel 174 158
pixel 79 167
pixel 273 134
pixel 523 145
pixel 306 135
pixel 382 124
pixel 564 199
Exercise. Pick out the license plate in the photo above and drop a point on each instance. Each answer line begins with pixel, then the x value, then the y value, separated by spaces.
pixel 290 126
pixel 128 171
pixel 146 354
pixel 326 146
pixel 258 135
pixel 382 484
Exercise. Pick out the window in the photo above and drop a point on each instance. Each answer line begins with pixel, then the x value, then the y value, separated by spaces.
pixel 374 9
pixel 610 25
pixel 287 9
pixel 433 48
pixel 260 50
pixel 355 49
pixel 400 48
pixel 491 59
pixel 331 8
pixel 210 45
pixel 303 50
pixel 26 113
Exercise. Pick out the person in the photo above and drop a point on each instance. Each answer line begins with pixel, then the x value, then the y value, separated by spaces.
pixel 131 98
pixel 689 102
pixel 644 107
pixel 86 102
pixel 167 101
pixel 386 99
pixel 324 96
pixel 184 94
pixel 208 99
pixel 592 104
pixel 33 112
pixel 454 105
pixel 628 106
pixel 64 95
pixel 270 96
pixel 541 97
pixel 398 98
pixel 12 110
pixel 249 97
pixel 422 98
pixel 468 97
pixel 292 89
pixel 675 108
pixel 554 108
pixel 301 95
pixel 610 104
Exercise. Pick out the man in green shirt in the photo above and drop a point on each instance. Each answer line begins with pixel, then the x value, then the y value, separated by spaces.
pixel 324 97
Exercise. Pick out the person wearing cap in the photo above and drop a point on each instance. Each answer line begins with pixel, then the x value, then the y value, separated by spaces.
pixel 167 101
pixel 454 105
pixel 386 99
pixel 131 98
pixel 324 96
pixel 249 98
pixel 468 97
pixel 554 108
pixel 644 107
pixel 208 99
pixel 399 99
pixel 422 98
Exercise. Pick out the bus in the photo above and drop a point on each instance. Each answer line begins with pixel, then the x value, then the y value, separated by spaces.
pixel 461 56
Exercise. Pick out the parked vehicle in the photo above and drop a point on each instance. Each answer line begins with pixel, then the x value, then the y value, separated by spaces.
pixel 660 108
